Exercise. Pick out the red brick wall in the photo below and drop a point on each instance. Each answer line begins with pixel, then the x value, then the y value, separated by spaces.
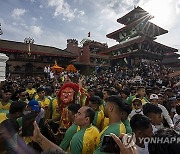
pixel 85 57
pixel 73 48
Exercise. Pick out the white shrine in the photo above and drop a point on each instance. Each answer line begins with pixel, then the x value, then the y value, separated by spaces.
pixel 3 59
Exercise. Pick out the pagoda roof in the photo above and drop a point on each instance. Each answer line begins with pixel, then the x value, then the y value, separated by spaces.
pixel 172 60
pixel 156 30
pixel 125 44
pixel 136 11
pixel 137 52
pixel 168 48
pixel 171 54
pixel 139 39
pixel 20 47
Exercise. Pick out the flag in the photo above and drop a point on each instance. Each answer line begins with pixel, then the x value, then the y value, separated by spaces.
pixel 89 34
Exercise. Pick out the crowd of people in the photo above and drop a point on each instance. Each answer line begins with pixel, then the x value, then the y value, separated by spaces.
pixel 74 113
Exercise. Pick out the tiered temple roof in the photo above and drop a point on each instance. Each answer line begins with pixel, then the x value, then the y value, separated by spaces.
pixel 136 24
pixel 137 37
pixel 134 15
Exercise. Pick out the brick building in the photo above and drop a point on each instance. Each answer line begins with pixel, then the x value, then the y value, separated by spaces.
pixel 21 63
pixel 88 55
pixel 85 57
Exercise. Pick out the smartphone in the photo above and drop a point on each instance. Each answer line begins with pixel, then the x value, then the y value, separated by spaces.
pixel 27 124
pixel 109 145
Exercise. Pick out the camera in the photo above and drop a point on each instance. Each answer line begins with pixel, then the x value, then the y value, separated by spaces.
pixel 109 145
pixel 27 124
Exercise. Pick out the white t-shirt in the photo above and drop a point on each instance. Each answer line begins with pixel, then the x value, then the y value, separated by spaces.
pixel 48 69
pixel 40 115
pixel 143 150
pixel 161 126
pixel 51 75
pixel 134 112
pixel 166 115
pixel 154 128
pixel 176 119
pixel 45 69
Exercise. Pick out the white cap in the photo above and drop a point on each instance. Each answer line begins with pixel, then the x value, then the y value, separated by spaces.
pixel 154 96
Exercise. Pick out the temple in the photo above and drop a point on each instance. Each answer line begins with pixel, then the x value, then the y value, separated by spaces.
pixel 136 41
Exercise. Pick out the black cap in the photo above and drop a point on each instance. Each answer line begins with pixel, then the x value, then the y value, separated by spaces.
pixel 95 100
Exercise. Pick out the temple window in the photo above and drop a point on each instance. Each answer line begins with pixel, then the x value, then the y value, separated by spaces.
pixel 49 59
pixel 39 69
pixel 136 15
pixel 17 68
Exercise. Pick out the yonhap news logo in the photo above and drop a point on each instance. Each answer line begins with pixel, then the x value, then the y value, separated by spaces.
pixel 160 140
pixel 129 140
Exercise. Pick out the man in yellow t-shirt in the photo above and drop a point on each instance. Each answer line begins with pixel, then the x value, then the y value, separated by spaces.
pixel 53 110
pixel 94 103
pixel 140 93
pixel 3 117
pixel 42 100
pixel 31 91
pixel 16 111
pixel 5 102
pixel 53 115
pixel 23 95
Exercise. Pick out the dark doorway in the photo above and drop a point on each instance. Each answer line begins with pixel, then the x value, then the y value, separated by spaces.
pixel 29 69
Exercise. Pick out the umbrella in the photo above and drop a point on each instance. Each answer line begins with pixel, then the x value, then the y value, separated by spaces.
pixel 71 68
pixel 57 68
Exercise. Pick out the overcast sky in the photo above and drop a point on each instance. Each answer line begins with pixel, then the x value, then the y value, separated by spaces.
pixel 52 22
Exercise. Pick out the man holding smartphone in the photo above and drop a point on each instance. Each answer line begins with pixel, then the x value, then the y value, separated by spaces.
pixel 84 141
pixel 15 112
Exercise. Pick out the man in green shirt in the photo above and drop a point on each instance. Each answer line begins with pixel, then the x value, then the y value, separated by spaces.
pixel 113 110
pixel 125 93
pixel 140 93
pixel 72 110
pixel 86 139
pixel 125 113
